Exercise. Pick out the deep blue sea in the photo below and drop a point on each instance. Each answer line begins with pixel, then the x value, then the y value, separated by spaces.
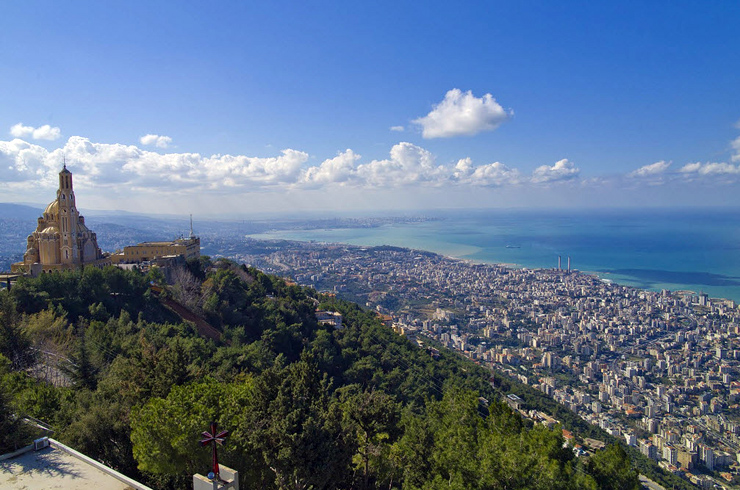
pixel 696 250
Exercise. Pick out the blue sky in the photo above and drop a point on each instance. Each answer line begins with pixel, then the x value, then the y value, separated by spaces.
pixel 375 105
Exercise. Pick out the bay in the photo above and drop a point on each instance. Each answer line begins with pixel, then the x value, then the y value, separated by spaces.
pixel 697 250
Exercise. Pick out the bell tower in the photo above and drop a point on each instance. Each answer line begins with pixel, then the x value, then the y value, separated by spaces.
pixel 68 218
pixel 61 241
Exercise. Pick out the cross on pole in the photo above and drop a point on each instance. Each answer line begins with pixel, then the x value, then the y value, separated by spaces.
pixel 214 438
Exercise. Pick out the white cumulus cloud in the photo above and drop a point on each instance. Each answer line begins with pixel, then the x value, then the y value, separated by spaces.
pixel 736 147
pixel 103 164
pixel 44 132
pixel 339 169
pixel 652 169
pixel 21 161
pixel 492 174
pixel 112 166
pixel 398 129
pixel 562 170
pixel 462 114
pixel 710 168
pixel 156 140
pixel 21 131
pixel 407 164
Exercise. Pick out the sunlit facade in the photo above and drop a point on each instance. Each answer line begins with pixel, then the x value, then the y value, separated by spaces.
pixel 61 240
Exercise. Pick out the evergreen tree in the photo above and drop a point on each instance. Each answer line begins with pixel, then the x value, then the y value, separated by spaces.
pixel 14 344
pixel 373 415
pixel 80 367
pixel 12 433
pixel 307 406
pixel 611 469
pixel 11 436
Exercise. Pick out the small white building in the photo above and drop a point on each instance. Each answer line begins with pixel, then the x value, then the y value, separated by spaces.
pixel 333 318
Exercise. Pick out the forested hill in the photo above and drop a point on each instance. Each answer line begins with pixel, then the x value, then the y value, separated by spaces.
pixel 307 406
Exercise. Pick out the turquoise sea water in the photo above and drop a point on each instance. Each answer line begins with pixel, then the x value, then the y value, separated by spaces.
pixel 694 250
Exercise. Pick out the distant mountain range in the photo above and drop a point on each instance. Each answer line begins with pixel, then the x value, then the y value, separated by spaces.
pixel 19 211
pixel 116 229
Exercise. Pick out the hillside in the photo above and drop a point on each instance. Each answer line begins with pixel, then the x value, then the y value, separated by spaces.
pixel 19 212
pixel 307 406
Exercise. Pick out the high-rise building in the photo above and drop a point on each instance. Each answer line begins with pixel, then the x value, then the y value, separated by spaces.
pixel 61 240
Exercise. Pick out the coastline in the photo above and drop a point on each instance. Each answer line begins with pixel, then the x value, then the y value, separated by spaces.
pixel 672 251
pixel 595 274
pixel 289 235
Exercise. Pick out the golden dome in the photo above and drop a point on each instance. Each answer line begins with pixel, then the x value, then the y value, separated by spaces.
pixel 53 207
pixel 51 230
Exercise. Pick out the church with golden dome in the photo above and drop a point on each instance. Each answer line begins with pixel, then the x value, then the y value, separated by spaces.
pixel 61 240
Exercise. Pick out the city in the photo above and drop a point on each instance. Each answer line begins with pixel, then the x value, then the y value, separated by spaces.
pixel 658 369
pixel 655 369
pixel 533 206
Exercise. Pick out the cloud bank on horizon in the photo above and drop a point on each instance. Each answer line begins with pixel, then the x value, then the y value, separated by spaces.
pixel 23 163
pixel 27 164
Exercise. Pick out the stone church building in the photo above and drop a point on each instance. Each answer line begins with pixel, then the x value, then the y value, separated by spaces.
pixel 61 240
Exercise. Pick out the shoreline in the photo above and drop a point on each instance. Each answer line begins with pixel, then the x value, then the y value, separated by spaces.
pixel 596 274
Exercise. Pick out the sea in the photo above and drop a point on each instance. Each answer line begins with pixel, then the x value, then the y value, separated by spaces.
pixel 654 249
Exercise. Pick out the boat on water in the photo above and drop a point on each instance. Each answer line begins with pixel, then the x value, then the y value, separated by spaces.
pixel 513 246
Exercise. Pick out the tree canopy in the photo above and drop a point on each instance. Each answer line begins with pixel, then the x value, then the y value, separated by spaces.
pixel 307 405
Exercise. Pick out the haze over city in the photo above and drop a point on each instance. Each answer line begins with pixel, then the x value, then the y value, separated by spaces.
pixel 291 106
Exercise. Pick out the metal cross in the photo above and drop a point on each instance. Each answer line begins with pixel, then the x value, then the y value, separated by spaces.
pixel 213 438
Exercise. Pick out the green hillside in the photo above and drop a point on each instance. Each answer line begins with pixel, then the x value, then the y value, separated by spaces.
pixel 307 406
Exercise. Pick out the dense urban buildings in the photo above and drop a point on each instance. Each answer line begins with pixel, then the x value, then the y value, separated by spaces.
pixel 657 369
